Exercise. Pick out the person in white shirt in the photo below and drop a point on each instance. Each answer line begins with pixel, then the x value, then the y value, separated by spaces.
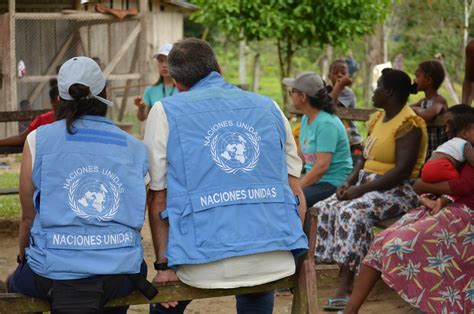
pixel 193 66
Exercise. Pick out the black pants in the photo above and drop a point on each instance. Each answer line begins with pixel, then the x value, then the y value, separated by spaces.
pixel 97 288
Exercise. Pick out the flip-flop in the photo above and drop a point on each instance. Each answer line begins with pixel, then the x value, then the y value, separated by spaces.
pixel 332 307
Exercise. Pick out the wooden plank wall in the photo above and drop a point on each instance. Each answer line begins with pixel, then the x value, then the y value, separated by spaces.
pixel 38 42
pixel 165 25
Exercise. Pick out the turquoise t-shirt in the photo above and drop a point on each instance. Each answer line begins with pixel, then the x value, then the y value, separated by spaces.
pixel 326 134
pixel 154 93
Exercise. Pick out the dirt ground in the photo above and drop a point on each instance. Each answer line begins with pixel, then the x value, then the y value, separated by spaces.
pixel 382 300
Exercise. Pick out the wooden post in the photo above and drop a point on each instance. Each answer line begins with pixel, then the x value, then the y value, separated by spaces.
pixel 145 40
pixel 123 50
pixel 13 95
pixel 5 68
pixel 133 65
pixel 305 299
pixel 13 101
pixel 447 82
pixel 143 6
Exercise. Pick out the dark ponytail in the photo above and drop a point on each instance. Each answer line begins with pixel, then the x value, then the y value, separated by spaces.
pixel 83 104
pixel 323 101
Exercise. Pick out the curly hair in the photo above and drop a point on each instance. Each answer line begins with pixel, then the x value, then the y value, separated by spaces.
pixel 461 122
pixel 433 69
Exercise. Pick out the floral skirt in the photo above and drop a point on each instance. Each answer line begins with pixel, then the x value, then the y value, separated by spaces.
pixel 345 228
pixel 429 259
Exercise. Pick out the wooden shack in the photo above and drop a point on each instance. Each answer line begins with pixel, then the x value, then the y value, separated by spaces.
pixel 42 34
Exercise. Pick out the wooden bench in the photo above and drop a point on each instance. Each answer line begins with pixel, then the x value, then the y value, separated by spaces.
pixel 11 191
pixel 173 291
pixel 303 285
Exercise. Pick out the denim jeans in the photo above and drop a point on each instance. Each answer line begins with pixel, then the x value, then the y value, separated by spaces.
pixel 318 192
pixel 254 303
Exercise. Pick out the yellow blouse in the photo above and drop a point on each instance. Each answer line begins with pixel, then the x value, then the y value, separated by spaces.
pixel 379 149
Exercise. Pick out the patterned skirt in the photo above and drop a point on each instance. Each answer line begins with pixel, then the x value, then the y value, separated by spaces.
pixel 345 228
pixel 429 259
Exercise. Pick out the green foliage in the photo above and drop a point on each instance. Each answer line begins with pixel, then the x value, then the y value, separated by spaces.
pixel 303 22
pixel 420 30
pixel 293 24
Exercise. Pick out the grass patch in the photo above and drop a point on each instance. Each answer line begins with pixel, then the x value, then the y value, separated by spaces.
pixel 9 204
pixel 9 180
pixel 10 207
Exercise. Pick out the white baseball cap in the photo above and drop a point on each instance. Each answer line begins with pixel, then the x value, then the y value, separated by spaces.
pixel 163 50
pixel 85 71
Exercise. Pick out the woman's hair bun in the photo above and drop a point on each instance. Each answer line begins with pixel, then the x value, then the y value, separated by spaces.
pixel 79 91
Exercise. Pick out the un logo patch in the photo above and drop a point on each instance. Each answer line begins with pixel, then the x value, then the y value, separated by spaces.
pixel 234 146
pixel 93 193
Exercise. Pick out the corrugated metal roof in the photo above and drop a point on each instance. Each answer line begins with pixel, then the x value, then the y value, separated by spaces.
pixel 182 4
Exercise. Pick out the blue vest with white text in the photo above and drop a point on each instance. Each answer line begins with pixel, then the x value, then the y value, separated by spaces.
pixel 89 200
pixel 228 192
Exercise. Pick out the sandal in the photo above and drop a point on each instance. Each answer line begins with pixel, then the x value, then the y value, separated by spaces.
pixel 336 304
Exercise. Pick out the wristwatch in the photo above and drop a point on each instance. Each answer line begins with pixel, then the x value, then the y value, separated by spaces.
pixel 161 266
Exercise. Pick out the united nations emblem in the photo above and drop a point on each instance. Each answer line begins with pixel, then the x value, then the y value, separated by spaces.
pixel 93 193
pixel 234 146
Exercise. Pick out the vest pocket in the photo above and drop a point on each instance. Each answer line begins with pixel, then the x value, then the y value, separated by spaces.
pixel 240 225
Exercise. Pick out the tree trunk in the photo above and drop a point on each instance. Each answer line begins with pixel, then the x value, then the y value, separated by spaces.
pixel 467 14
pixel 285 58
pixel 242 62
pixel 256 73
pixel 327 62
pixel 374 50
pixel 282 73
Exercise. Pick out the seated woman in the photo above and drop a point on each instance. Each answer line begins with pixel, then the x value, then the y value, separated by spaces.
pixel 82 195
pixel 380 186
pixel 323 139
pixel 427 256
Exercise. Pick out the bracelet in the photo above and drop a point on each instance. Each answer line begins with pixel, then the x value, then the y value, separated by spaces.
pixel 431 196
pixel 448 197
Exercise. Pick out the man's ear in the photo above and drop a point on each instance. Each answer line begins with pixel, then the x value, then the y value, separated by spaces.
pixel 180 87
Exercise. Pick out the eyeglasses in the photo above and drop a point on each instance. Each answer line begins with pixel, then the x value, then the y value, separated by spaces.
pixel 293 91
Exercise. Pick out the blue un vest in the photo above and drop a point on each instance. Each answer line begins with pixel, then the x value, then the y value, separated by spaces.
pixel 228 192
pixel 89 200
